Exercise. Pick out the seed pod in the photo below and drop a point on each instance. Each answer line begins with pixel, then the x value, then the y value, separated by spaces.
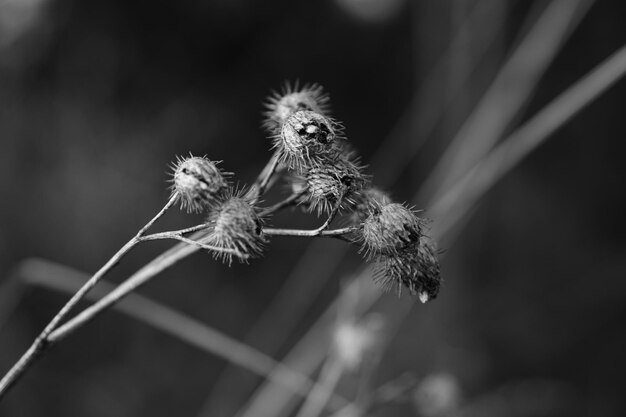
pixel 416 268
pixel 306 139
pixel 198 183
pixel 236 226
pixel 326 185
pixel 368 200
pixel 389 229
pixel 292 99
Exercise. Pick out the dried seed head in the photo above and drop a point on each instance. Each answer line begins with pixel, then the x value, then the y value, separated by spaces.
pixel 236 226
pixel 292 99
pixel 339 181
pixel 368 200
pixel 307 138
pixel 390 228
pixel 417 268
pixel 198 183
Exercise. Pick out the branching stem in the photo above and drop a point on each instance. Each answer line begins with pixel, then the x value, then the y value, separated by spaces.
pixel 177 236
pixel 261 184
pixel 42 342
pixel 291 200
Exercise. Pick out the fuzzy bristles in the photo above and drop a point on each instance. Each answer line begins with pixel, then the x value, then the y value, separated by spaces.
pixel 236 226
pixel 335 182
pixel 198 183
pixel 368 200
pixel 291 99
pixel 306 139
pixel 416 268
pixel 389 229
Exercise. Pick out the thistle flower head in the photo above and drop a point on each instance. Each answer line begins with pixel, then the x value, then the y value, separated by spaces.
pixel 236 226
pixel 335 182
pixel 368 200
pixel 416 268
pixel 390 228
pixel 292 99
pixel 306 138
pixel 198 183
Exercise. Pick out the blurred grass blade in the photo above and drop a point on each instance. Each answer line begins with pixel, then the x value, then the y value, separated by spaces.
pixel 507 95
pixel 61 278
pixel 429 104
pixel 457 201
pixel 271 400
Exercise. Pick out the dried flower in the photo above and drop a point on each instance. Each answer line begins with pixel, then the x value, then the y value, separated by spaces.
pixel 338 181
pixel 367 200
pixel 389 229
pixel 416 267
pixel 236 226
pixel 292 99
pixel 307 138
pixel 198 183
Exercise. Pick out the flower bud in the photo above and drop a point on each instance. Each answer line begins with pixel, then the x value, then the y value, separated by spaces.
pixel 198 183
pixel 236 226
pixel 328 184
pixel 368 200
pixel 417 268
pixel 389 229
pixel 307 138
pixel 281 106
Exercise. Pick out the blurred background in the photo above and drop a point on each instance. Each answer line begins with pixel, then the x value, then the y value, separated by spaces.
pixel 98 97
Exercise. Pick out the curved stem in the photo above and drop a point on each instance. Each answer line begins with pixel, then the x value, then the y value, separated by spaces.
pixel 42 342
pixel 177 236
pixel 261 184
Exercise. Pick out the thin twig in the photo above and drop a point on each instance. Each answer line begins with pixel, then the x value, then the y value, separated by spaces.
pixel 61 278
pixel 42 342
pixel 191 229
pixel 166 207
pixel 176 236
pixel 291 200
pixel 337 233
pixel 261 184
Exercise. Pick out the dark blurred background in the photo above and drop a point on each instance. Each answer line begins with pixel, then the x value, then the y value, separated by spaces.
pixel 98 97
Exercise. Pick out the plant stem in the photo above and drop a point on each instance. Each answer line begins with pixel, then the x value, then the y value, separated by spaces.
pixel 60 278
pixel 282 204
pixel 261 184
pixel 337 233
pixel 43 342
pixel 177 236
